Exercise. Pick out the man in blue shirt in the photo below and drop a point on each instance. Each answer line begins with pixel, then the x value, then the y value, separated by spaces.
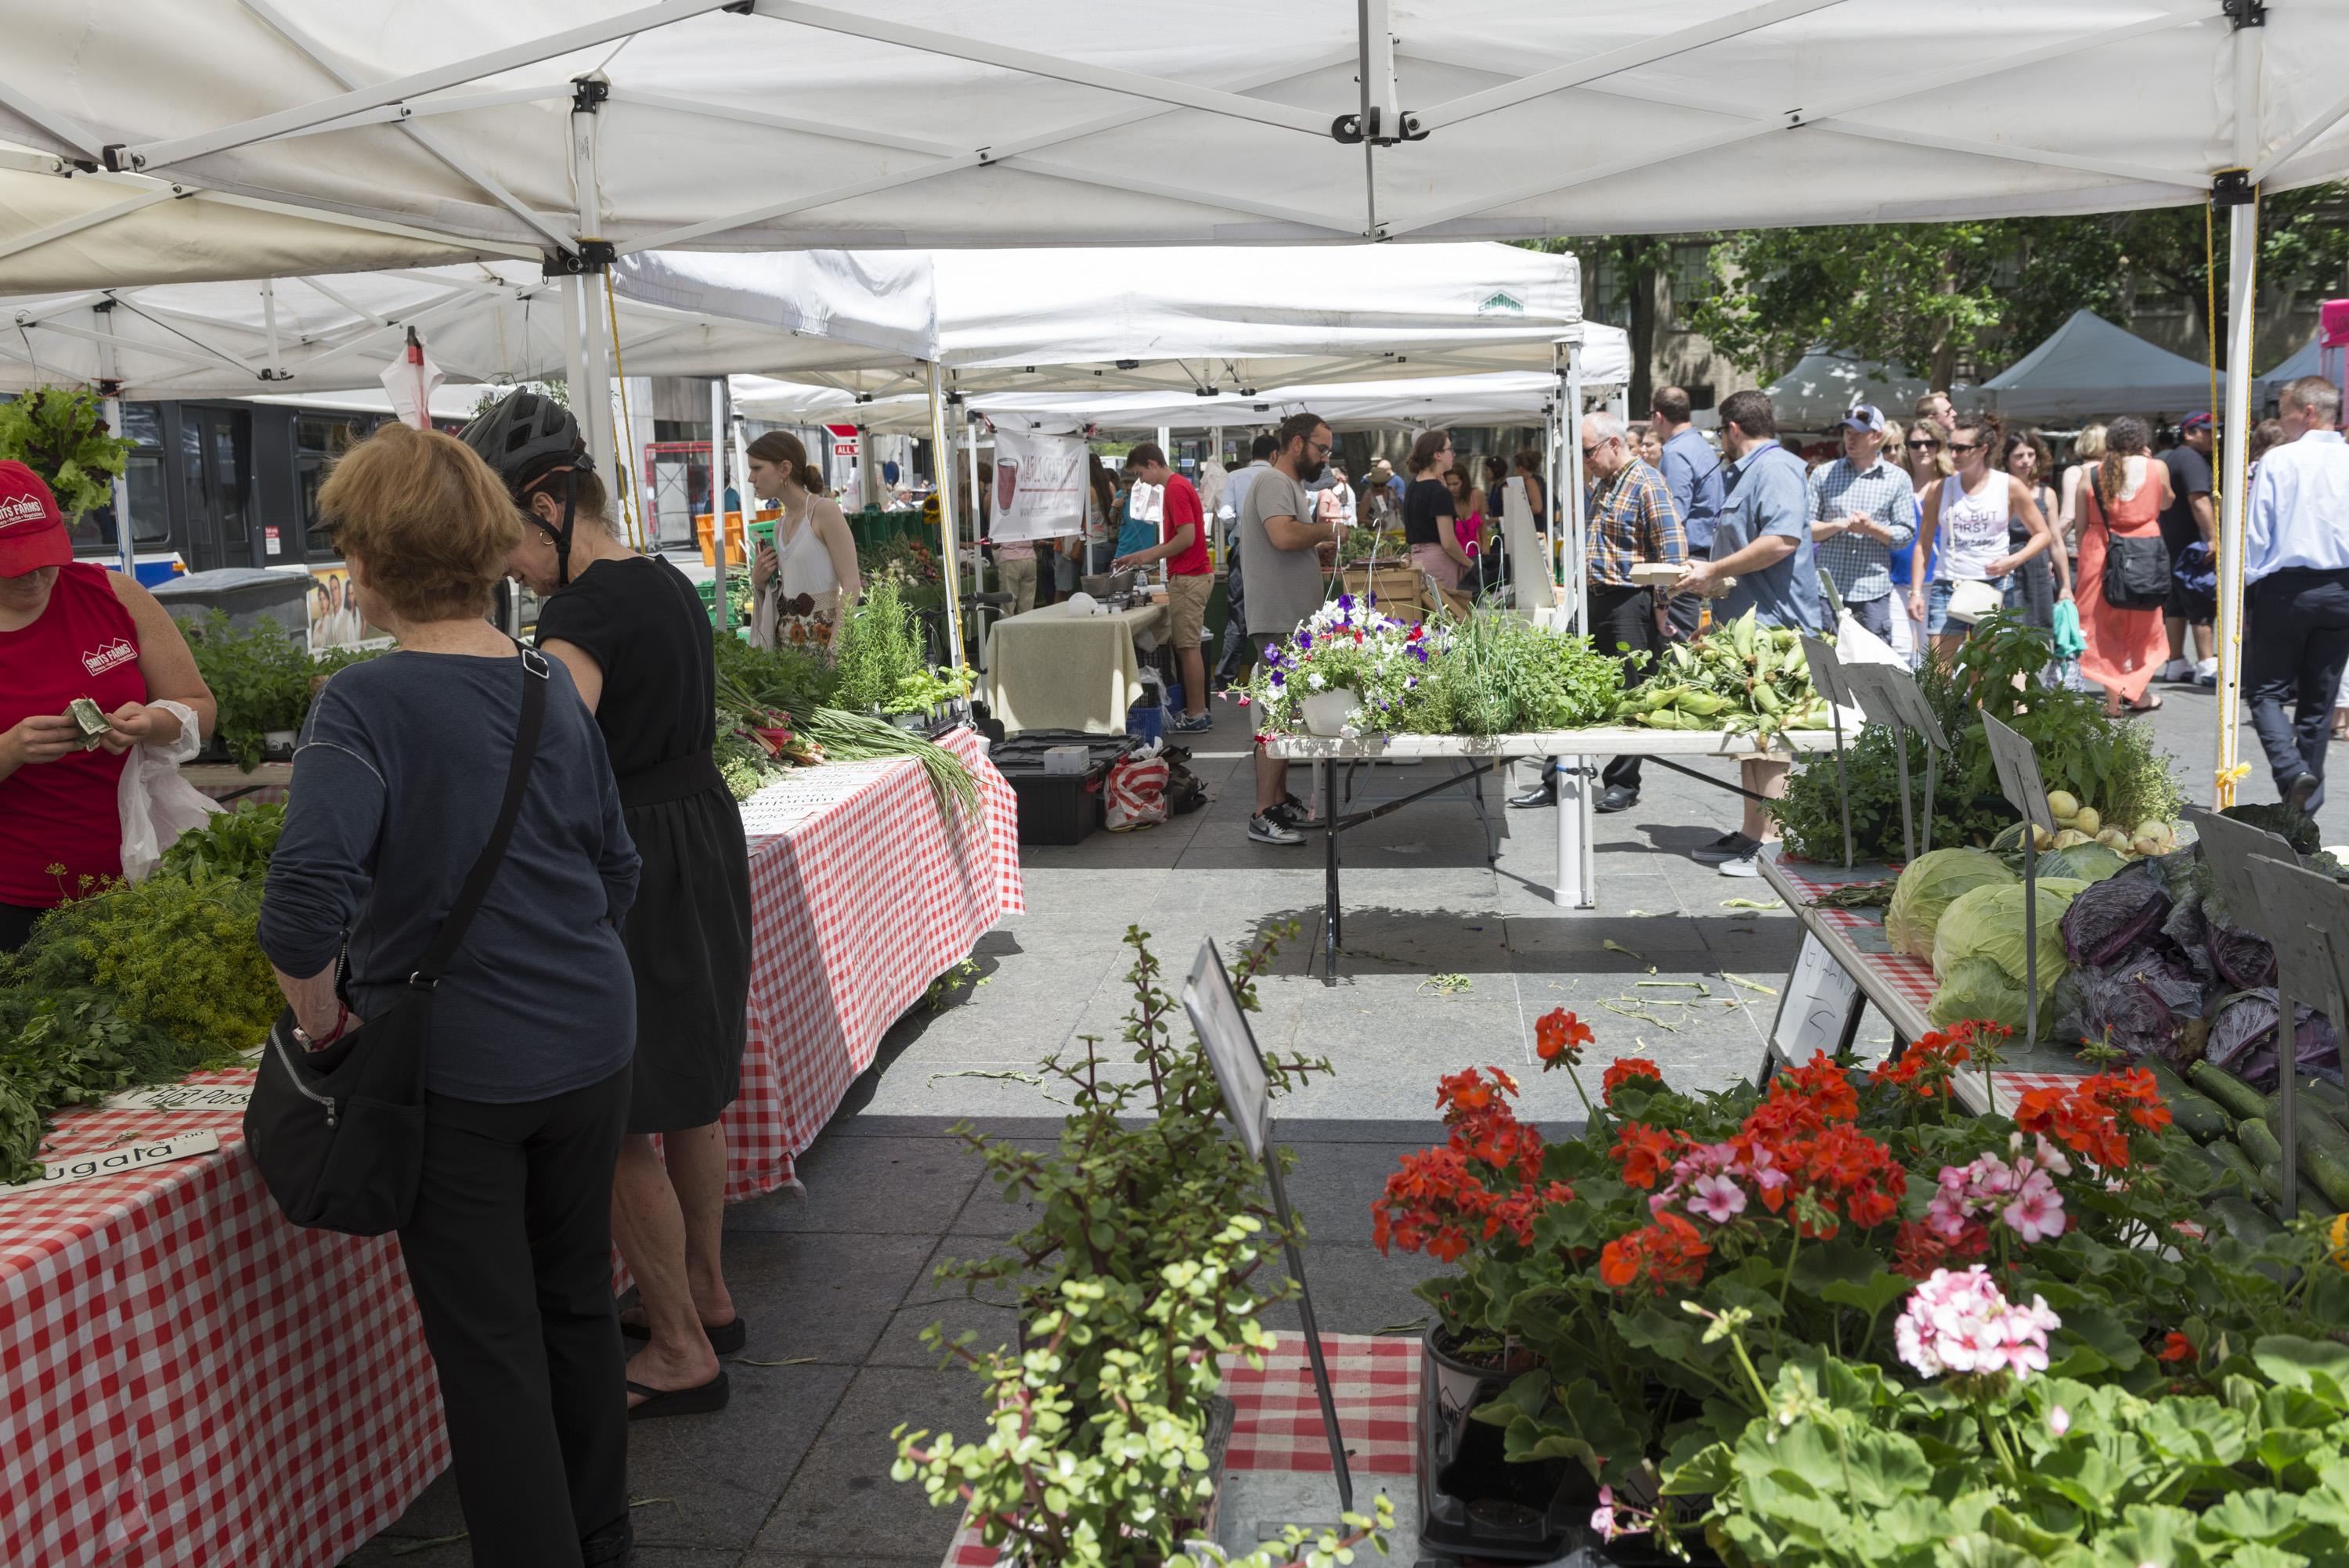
pixel 1762 539
pixel 1692 471
pixel 2296 564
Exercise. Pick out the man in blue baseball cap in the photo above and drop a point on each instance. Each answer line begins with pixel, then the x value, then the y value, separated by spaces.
pixel 2189 528
pixel 1862 509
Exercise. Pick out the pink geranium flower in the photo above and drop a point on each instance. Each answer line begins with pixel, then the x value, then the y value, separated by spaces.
pixel 2037 1213
pixel 1717 1198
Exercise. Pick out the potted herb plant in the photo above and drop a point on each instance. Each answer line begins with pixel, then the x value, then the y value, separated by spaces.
pixel 1143 1271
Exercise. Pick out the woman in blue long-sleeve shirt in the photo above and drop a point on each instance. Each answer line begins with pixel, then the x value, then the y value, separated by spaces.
pixel 397 785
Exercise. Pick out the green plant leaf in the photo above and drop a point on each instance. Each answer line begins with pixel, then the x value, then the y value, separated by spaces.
pixel 2320 1366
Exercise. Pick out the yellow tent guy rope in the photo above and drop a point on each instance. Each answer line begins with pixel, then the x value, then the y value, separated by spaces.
pixel 631 508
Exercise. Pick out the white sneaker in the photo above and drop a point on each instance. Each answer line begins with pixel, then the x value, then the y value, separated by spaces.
pixel 2175 670
pixel 1742 866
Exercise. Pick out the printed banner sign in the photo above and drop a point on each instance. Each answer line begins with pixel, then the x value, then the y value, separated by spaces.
pixel 119 1159
pixel 1039 486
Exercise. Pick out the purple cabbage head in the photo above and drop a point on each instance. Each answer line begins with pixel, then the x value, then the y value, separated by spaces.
pixel 2245 960
pixel 2142 1005
pixel 2107 918
pixel 2243 1039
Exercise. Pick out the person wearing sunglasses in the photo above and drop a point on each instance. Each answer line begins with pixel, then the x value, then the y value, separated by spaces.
pixel 1965 530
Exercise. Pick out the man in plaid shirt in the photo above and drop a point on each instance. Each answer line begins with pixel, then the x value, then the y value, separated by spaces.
pixel 1862 510
pixel 1633 520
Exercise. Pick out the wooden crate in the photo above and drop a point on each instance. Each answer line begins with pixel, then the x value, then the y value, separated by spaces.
pixel 1397 590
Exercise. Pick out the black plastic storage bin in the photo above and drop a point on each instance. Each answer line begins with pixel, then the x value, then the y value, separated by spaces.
pixel 1065 808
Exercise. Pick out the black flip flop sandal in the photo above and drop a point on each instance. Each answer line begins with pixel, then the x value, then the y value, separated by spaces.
pixel 699 1400
pixel 724 1340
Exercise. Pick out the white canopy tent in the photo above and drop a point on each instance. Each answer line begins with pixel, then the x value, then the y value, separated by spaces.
pixel 1823 386
pixel 1224 121
pixel 2089 368
pixel 592 126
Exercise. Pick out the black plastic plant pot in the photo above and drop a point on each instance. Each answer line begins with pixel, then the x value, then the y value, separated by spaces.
pixel 1472 1501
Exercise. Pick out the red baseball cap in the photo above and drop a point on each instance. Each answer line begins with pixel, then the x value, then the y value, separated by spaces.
pixel 32 529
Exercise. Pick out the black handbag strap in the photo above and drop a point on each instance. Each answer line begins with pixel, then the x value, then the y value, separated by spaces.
pixel 485 865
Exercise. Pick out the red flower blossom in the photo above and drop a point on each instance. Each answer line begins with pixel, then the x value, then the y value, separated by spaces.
pixel 2095 1116
pixel 1918 1251
pixel 1926 1067
pixel 1558 1038
pixel 1623 1070
pixel 1481 1184
pixel 1666 1253
pixel 2176 1346
pixel 1645 1154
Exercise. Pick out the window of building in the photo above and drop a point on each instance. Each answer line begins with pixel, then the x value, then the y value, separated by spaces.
pixel 1611 291
pixel 1688 272
pixel 151 518
pixel 318 440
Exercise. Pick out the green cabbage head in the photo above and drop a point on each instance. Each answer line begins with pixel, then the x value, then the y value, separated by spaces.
pixel 1927 888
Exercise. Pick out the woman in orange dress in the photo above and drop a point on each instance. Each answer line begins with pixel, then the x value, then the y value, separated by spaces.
pixel 2123 496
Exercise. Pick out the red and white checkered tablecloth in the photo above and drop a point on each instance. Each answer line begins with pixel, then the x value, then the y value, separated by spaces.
pixel 186 1378
pixel 860 897
pixel 1277 1426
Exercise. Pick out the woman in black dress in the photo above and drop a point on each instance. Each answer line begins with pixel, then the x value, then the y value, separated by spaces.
pixel 633 633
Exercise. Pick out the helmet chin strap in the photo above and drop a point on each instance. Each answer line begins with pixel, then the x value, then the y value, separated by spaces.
pixel 561 538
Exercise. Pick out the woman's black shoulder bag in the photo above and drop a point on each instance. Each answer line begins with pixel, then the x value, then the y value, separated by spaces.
pixel 2137 569
pixel 338 1133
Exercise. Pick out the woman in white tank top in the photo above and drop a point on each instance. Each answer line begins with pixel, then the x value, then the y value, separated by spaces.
pixel 797 583
pixel 1966 518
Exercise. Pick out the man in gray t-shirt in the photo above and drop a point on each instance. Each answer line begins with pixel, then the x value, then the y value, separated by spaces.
pixel 1280 555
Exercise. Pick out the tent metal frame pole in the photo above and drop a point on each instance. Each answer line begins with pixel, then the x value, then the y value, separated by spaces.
pixel 2242 262
pixel 123 541
pixel 979 51
pixel 595 360
pixel 724 604
pixel 574 347
pixel 942 471
pixel 626 24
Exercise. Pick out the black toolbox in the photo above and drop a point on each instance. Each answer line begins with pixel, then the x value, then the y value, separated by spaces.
pixel 1062 809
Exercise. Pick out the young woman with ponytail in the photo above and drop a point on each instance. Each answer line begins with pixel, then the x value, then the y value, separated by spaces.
pixel 2121 497
pixel 797 583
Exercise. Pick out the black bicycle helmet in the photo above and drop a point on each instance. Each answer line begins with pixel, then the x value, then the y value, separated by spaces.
pixel 527 439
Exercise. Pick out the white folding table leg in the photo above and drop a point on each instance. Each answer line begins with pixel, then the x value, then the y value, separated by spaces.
pixel 1574 888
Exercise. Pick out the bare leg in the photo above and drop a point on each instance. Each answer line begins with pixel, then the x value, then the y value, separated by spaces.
pixel 1193 669
pixel 1271 782
pixel 2204 635
pixel 2176 626
pixel 1767 779
pixel 697 1168
pixel 649 1229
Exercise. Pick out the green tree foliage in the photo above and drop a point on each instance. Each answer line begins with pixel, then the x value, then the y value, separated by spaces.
pixel 1927 295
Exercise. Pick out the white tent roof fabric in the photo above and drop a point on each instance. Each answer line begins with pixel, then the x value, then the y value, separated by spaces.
pixel 486 322
pixel 62 234
pixel 2089 368
pixel 1822 386
pixel 925 123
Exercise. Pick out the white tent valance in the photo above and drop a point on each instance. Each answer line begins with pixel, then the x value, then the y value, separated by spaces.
pixel 496 322
pixel 909 124
pixel 2089 368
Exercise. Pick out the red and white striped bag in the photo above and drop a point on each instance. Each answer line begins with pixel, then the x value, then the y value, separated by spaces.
pixel 1136 789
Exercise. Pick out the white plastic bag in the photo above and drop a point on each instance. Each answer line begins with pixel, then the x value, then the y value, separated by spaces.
pixel 156 804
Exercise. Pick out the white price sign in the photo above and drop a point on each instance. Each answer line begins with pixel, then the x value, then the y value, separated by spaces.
pixel 120 1159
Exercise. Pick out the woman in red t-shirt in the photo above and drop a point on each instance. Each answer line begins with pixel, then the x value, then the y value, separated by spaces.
pixel 67 630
